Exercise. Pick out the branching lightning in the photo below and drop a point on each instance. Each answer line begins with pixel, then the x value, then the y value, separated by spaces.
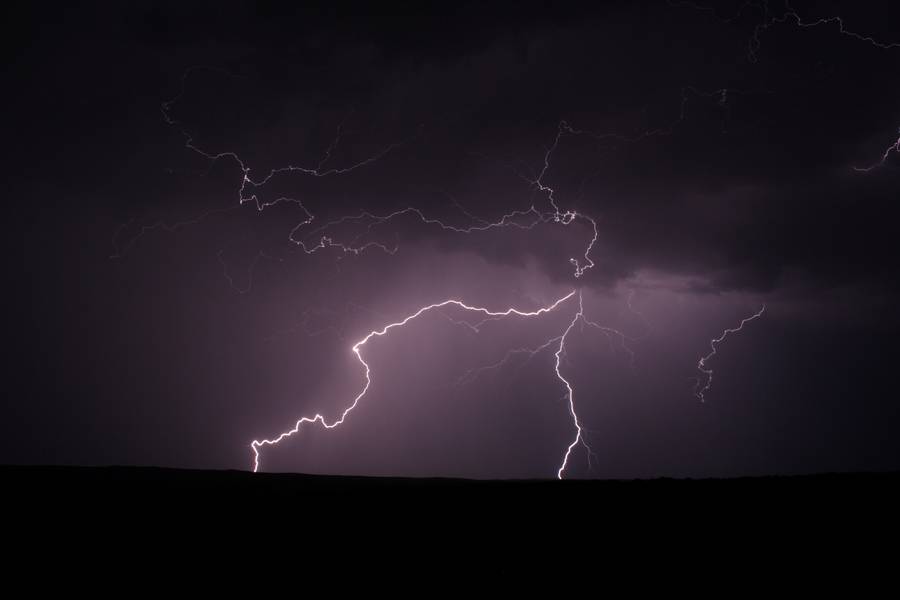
pixel 701 364
pixel 570 394
pixel 788 14
pixel 256 445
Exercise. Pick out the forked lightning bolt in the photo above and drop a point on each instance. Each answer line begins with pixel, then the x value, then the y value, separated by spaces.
pixel 701 364
pixel 256 445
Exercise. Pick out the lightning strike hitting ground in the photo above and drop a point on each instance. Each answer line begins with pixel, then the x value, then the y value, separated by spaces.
pixel 570 395
pixel 701 364
pixel 788 15
pixel 357 350
pixel 321 238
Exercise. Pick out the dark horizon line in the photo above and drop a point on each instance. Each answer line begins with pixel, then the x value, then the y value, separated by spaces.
pixel 6 469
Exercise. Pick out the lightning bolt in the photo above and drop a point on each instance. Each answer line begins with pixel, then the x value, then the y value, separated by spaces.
pixel 321 238
pixel 790 15
pixel 526 219
pixel 701 364
pixel 357 348
pixel 570 394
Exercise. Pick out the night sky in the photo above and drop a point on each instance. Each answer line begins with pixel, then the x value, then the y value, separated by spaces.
pixel 732 155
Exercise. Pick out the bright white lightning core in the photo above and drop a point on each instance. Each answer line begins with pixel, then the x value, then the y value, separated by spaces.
pixel 256 445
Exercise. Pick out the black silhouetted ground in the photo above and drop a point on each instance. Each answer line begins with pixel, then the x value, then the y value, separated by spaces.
pixel 165 489
pixel 174 486
pixel 353 523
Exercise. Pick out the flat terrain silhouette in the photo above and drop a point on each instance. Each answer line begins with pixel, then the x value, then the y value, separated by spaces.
pixel 172 489
pixel 131 518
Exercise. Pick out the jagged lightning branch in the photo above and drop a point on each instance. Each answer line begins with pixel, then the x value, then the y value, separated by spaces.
pixel 472 374
pixel 789 14
pixel 701 364
pixel 320 239
pixel 523 219
pixel 526 219
pixel 610 333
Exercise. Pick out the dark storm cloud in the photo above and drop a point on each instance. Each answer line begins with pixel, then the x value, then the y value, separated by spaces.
pixel 738 185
